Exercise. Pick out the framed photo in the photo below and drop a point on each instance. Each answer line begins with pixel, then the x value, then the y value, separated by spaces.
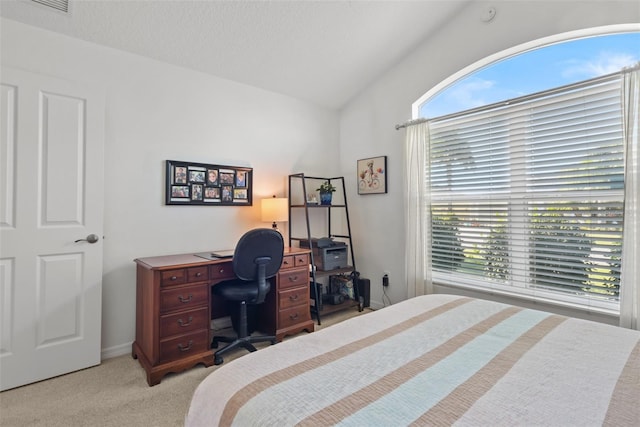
pixel 180 175
pixel 196 174
pixel 212 194
pixel 227 176
pixel 212 177
pixel 372 175
pixel 227 193
pixel 241 179
pixel 191 183
pixel 180 192
pixel 239 194
pixel 196 192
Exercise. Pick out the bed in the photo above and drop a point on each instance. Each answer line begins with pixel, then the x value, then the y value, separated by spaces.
pixel 433 360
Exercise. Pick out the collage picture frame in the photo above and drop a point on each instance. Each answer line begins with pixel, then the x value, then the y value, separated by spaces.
pixel 191 183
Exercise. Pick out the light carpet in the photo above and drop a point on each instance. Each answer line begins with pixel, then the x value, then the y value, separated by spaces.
pixel 114 393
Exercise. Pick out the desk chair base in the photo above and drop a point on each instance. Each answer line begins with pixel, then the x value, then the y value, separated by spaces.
pixel 244 339
pixel 244 342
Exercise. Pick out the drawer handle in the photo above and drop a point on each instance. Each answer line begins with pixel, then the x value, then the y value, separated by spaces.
pixel 293 316
pixel 198 274
pixel 293 279
pixel 293 297
pixel 286 262
pixel 221 271
pixel 182 324
pixel 174 277
pixel 187 348
pixel 185 300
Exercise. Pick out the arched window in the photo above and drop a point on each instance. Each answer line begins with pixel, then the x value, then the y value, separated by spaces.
pixel 526 173
pixel 535 70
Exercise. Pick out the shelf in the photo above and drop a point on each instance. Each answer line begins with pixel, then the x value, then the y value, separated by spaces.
pixel 334 220
pixel 341 236
pixel 310 206
pixel 332 308
pixel 325 273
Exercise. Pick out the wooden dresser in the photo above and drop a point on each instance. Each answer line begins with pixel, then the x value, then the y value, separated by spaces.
pixel 174 306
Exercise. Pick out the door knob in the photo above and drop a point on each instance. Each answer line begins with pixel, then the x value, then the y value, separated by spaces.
pixel 91 238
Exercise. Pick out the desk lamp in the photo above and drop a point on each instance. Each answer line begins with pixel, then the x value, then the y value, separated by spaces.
pixel 275 210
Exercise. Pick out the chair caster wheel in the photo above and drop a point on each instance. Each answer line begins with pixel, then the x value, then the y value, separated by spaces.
pixel 214 344
pixel 273 342
pixel 217 360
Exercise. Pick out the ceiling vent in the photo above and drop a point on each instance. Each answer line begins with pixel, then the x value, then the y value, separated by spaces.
pixel 59 5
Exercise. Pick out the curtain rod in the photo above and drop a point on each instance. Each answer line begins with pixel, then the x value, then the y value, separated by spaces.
pixel 520 99
pixel 411 123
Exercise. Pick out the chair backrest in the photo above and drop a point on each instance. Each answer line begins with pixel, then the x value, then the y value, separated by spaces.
pixel 256 248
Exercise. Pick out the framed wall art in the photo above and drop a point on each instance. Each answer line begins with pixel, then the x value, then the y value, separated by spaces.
pixel 372 175
pixel 190 183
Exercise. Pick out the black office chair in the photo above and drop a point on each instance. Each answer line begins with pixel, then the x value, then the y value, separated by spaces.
pixel 257 257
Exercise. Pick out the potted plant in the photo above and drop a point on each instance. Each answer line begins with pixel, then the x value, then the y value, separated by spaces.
pixel 326 191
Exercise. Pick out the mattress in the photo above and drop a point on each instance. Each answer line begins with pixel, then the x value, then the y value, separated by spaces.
pixel 433 360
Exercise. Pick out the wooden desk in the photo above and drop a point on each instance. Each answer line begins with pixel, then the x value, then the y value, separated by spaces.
pixel 174 306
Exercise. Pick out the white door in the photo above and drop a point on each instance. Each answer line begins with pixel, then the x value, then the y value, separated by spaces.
pixel 51 196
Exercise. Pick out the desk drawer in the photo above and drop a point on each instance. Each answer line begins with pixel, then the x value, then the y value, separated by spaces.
pixel 198 274
pixel 292 316
pixel 173 277
pixel 302 260
pixel 222 271
pixel 184 322
pixel 184 345
pixel 184 298
pixel 292 297
pixel 288 261
pixel 292 278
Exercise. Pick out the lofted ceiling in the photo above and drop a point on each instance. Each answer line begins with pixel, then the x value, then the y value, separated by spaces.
pixel 325 52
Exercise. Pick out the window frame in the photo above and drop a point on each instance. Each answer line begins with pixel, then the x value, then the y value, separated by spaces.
pixel 526 288
pixel 447 80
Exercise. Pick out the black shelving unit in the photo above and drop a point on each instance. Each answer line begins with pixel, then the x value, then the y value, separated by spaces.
pixel 298 191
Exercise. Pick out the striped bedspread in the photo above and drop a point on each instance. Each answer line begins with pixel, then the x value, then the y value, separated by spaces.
pixel 434 360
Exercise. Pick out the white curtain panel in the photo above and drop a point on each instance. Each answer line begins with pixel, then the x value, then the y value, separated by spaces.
pixel 630 277
pixel 417 229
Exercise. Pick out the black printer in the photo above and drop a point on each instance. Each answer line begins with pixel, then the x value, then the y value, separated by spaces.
pixel 327 253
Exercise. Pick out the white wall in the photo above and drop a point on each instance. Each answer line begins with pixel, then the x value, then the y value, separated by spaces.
pixel 157 112
pixel 367 122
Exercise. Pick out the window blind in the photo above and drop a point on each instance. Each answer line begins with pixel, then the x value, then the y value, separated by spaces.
pixel 528 197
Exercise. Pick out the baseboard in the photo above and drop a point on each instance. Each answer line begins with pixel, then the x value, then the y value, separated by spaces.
pixel 115 351
pixel 376 305
pixel 221 323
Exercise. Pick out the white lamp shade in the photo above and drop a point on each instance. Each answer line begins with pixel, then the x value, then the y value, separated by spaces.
pixel 275 209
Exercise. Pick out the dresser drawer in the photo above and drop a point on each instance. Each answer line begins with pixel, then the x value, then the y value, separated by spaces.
pixel 184 322
pixel 173 277
pixel 292 316
pixel 222 271
pixel 292 297
pixel 292 278
pixel 184 298
pixel 184 345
